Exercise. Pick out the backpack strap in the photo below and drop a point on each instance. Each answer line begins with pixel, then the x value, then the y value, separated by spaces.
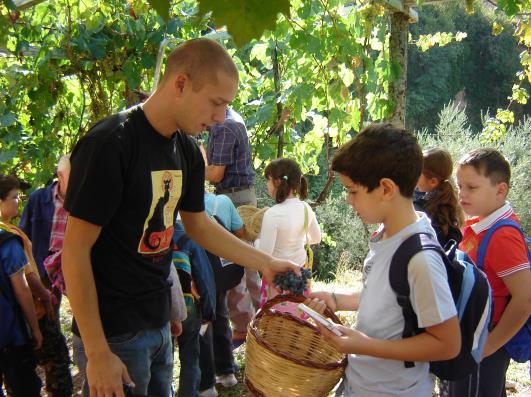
pixel 215 209
pixel 309 251
pixel 399 282
pixel 4 236
pixel 483 245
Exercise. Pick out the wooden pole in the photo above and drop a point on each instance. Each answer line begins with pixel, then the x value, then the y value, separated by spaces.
pixel 398 55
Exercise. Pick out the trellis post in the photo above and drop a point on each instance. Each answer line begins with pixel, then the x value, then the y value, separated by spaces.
pixel 398 56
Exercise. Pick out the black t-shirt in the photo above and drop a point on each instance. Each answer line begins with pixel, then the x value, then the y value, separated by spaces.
pixel 130 180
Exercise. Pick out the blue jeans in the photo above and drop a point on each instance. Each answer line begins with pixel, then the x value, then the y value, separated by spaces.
pixel 148 357
pixel 188 341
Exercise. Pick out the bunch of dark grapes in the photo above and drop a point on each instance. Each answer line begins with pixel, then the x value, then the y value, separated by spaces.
pixel 289 281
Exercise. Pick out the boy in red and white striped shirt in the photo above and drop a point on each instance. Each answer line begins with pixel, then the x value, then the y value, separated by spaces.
pixel 483 178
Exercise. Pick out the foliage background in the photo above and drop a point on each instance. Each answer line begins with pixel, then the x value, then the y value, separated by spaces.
pixel 308 84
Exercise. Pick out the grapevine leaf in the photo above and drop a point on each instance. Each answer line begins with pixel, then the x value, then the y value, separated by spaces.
pixel 245 19
pixel 162 7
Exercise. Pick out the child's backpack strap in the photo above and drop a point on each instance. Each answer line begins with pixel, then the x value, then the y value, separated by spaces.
pixel 399 282
pixel 482 250
pixel 519 346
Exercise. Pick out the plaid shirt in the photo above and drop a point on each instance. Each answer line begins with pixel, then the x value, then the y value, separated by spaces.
pixel 228 145
pixel 60 216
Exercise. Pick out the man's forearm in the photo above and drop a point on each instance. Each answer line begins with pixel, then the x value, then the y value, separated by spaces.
pixel 83 298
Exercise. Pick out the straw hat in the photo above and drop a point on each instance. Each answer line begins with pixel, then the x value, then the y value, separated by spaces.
pixel 252 219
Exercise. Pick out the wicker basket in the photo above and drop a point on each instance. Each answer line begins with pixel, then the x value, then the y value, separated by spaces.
pixel 287 356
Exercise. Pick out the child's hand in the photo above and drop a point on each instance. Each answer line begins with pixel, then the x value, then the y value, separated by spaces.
pixel 352 341
pixel 176 328
pixel 325 297
pixel 316 304
pixel 37 338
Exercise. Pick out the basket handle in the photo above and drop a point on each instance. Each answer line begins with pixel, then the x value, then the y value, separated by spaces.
pixel 295 299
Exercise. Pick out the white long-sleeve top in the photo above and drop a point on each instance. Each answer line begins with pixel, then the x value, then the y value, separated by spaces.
pixel 282 234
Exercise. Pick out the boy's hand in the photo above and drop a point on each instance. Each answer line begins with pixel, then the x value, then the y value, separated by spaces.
pixel 321 298
pixel 350 342
pixel 279 266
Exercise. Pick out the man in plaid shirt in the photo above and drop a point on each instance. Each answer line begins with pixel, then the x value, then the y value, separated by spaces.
pixel 229 168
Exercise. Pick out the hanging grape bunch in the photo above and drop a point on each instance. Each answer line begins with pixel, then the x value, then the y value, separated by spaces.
pixel 289 281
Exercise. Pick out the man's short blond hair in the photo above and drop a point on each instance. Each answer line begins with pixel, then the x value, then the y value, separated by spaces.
pixel 200 59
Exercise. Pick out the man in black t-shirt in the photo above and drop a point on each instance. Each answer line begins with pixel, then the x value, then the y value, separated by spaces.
pixel 130 175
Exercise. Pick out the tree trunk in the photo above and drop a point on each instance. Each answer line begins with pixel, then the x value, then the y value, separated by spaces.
pixel 398 55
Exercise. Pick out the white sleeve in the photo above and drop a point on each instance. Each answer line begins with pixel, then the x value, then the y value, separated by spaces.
pixel 430 295
pixel 314 230
pixel 268 232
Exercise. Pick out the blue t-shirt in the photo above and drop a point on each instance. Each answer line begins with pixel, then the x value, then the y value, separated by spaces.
pixel 12 260
pixel 226 211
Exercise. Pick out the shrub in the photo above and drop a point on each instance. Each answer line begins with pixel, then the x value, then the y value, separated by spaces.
pixel 344 242
pixel 453 134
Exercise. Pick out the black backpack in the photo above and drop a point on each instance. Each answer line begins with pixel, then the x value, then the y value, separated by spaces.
pixel 470 291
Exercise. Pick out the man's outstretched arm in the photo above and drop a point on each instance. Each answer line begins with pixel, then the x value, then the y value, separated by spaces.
pixel 216 239
pixel 105 371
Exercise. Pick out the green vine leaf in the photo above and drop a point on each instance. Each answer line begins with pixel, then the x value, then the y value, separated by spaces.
pixel 10 4
pixel 162 7
pixel 245 19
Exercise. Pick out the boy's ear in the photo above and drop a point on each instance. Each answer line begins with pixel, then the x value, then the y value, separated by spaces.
pixel 502 189
pixel 389 188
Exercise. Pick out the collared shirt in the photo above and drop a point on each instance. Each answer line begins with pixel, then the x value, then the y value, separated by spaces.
pixel 506 253
pixel 228 145
pixel 60 217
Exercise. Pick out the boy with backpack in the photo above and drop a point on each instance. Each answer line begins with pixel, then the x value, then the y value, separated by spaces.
pixel 199 290
pixel 380 168
pixel 217 359
pixel 483 178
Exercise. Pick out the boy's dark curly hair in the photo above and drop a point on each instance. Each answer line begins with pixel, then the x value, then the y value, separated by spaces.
pixel 381 151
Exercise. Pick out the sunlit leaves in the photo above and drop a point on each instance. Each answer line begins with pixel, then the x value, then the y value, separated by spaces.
pixel 519 94
pixel 427 41
pixel 162 7
pixel 245 19
pixel 497 28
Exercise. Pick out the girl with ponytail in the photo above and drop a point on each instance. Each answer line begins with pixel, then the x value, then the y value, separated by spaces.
pixel 290 226
pixel 436 196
